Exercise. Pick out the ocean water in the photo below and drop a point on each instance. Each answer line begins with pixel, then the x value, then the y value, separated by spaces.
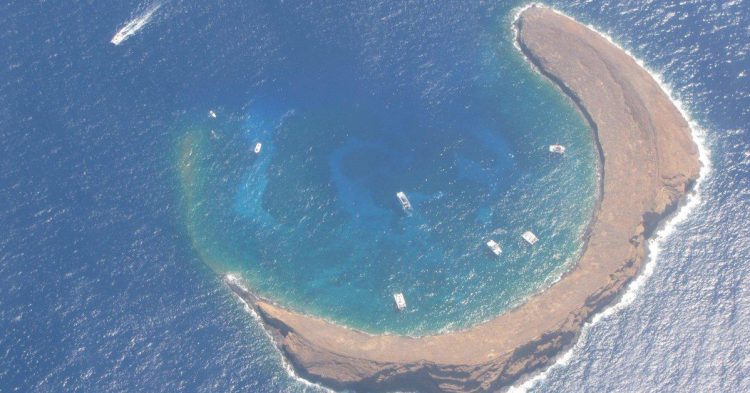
pixel 350 118
pixel 124 201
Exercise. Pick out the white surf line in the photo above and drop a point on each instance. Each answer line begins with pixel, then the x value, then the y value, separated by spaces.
pixel 514 29
pixel 655 243
pixel 236 280
pixel 134 25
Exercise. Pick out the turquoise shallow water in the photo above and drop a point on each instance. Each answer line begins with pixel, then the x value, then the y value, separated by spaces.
pixel 313 221
pixel 108 266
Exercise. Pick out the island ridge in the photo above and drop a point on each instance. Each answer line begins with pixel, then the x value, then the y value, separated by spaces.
pixel 648 161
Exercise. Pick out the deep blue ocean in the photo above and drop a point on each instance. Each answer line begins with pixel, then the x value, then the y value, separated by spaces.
pixel 123 202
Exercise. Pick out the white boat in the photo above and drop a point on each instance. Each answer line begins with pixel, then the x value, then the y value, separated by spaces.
pixel 257 148
pixel 212 114
pixel 133 26
pixel 558 149
pixel 494 247
pixel 530 237
pixel 398 298
pixel 405 204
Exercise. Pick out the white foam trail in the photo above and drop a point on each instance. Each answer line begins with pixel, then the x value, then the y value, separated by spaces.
pixel 236 280
pixel 656 242
pixel 134 25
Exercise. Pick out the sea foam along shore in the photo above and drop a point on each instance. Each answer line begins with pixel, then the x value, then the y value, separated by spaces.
pixel 235 282
pixel 662 235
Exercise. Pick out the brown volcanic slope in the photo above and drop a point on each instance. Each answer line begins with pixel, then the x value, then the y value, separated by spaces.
pixel 648 161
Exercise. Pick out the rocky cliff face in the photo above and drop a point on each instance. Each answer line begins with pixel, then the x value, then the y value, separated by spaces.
pixel 648 162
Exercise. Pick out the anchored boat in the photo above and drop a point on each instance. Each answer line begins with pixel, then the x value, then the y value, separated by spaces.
pixel 494 247
pixel 530 237
pixel 398 298
pixel 557 149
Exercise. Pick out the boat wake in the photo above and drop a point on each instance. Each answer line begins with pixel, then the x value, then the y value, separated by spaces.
pixel 692 201
pixel 134 25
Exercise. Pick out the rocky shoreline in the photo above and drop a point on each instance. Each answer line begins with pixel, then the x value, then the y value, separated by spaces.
pixel 648 162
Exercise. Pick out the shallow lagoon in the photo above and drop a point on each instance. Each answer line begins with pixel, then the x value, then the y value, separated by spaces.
pixel 313 221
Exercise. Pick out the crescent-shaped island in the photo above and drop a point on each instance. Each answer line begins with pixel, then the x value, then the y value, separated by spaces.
pixel 648 162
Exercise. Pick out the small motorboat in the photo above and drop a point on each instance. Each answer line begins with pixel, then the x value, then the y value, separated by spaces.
pixel 405 204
